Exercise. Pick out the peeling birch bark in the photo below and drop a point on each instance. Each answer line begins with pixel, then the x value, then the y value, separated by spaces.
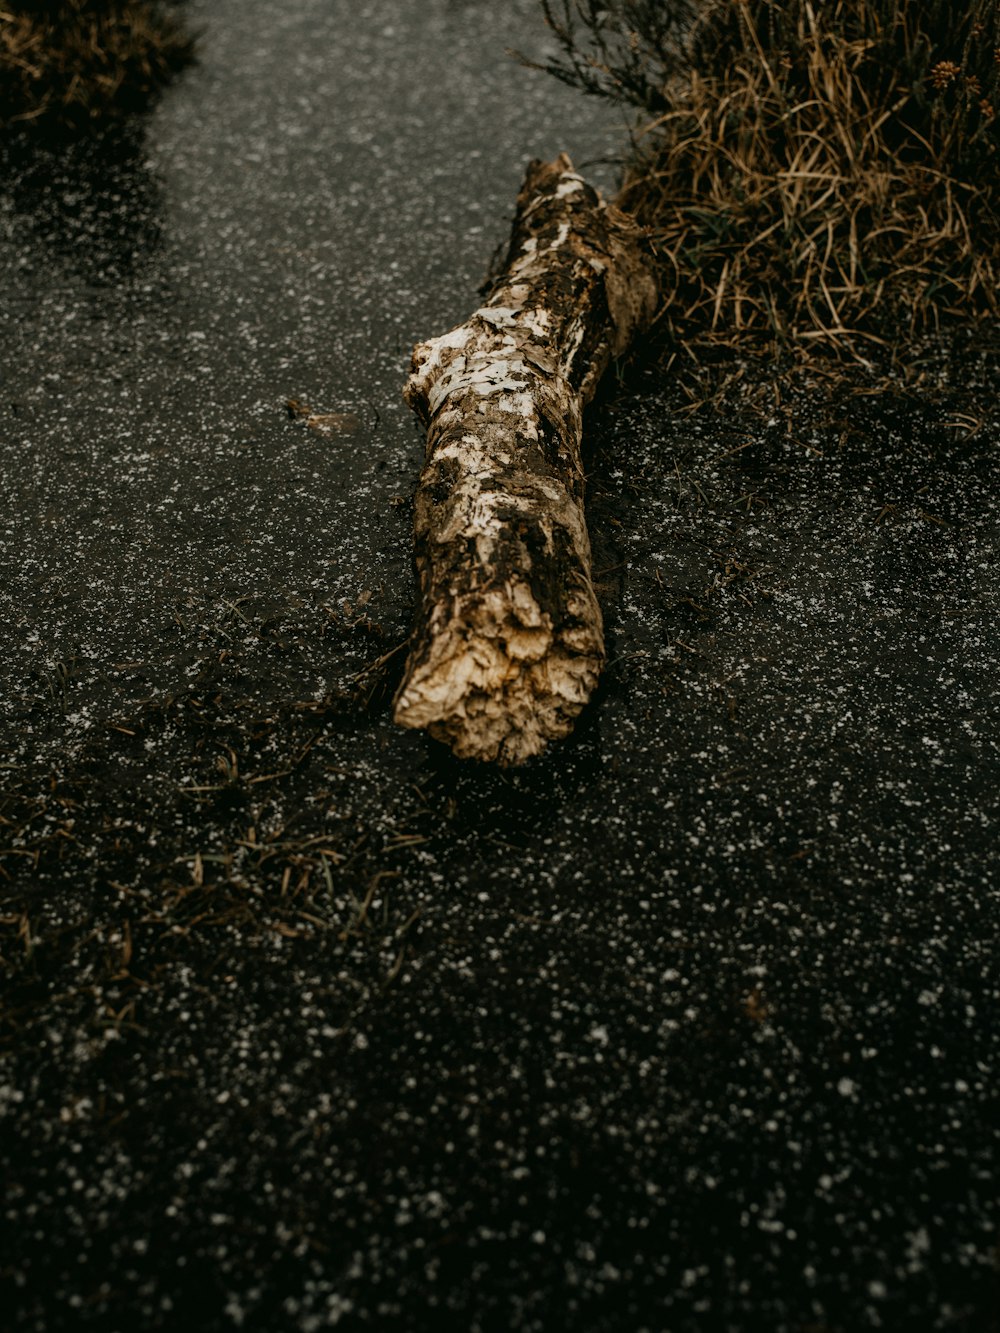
pixel 508 643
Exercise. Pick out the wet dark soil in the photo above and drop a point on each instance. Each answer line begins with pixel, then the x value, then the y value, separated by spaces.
pixel 691 1024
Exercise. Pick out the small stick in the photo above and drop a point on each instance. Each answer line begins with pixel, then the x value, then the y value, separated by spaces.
pixel 508 643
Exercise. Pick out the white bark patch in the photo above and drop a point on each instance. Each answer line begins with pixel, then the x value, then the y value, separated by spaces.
pixel 570 184
pixel 508 644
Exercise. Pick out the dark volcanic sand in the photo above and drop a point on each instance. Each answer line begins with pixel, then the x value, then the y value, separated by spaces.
pixel 692 1024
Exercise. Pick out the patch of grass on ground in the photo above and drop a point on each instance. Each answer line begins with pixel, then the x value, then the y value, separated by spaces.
pixel 814 176
pixel 72 62
pixel 203 822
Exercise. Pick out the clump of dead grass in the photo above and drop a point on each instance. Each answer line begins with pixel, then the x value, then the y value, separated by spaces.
pixel 72 62
pixel 813 175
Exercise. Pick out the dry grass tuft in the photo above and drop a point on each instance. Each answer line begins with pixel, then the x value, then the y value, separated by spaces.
pixel 72 62
pixel 815 175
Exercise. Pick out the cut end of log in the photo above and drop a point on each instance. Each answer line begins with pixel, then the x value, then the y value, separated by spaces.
pixel 496 688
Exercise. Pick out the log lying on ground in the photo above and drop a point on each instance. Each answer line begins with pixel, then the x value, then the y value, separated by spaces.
pixel 508 643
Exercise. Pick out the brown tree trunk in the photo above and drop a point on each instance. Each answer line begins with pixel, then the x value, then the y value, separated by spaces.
pixel 508 643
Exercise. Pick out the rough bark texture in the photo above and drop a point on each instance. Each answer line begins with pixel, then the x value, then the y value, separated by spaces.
pixel 509 643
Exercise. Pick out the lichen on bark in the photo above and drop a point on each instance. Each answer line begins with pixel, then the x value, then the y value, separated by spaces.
pixel 508 644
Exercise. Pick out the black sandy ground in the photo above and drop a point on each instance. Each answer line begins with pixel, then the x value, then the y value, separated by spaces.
pixel 693 1024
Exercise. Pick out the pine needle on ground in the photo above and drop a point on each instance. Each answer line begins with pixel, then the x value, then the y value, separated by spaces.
pixel 74 62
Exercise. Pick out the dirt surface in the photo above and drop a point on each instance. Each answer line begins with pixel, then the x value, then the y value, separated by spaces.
pixel 692 1024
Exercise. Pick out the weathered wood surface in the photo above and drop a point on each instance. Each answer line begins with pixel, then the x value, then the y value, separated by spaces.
pixel 508 643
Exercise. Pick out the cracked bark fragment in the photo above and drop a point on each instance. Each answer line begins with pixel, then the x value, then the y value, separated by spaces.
pixel 508 643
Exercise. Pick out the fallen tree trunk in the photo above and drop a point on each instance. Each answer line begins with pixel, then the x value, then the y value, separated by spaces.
pixel 508 643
